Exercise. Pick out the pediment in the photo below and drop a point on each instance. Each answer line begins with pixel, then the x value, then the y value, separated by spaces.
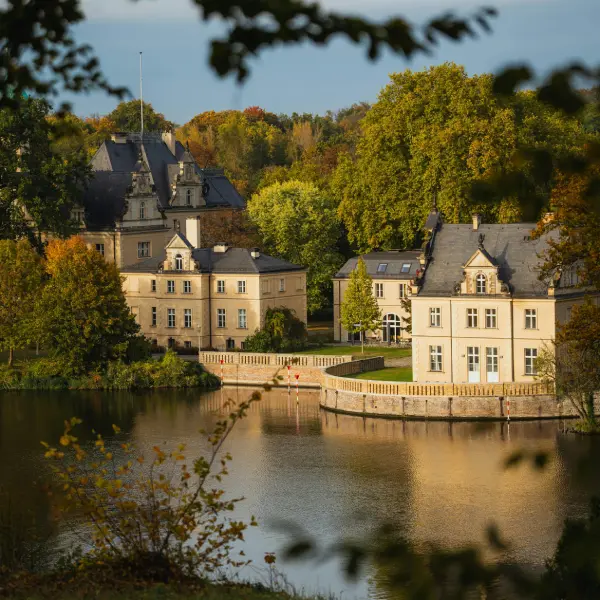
pixel 178 242
pixel 480 260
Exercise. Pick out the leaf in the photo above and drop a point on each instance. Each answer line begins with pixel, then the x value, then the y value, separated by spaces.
pixel 508 80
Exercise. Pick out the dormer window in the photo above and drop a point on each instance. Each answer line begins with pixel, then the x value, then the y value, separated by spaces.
pixel 382 268
pixel 188 197
pixel 406 268
pixel 481 284
pixel 142 210
pixel 179 263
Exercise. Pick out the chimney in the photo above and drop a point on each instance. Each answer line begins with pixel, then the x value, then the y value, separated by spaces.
pixel 476 221
pixel 255 253
pixel 193 232
pixel 168 137
pixel 221 247
pixel 118 137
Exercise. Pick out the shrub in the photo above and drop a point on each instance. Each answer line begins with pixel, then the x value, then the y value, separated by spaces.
pixel 282 332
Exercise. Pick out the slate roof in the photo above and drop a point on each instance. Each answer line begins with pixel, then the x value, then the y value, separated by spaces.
pixel 510 246
pixel 234 261
pixel 114 163
pixel 394 260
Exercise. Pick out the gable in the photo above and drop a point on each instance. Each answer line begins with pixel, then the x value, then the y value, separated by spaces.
pixel 480 260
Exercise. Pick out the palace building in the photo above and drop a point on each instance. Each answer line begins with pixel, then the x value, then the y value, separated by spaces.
pixel 142 189
pixel 215 297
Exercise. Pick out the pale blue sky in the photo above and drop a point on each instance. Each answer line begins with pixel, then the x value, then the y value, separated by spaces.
pixel 179 83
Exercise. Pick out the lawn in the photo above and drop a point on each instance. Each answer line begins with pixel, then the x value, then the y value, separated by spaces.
pixel 385 351
pixel 389 374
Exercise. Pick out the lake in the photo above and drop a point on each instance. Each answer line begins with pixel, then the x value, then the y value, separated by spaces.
pixel 335 475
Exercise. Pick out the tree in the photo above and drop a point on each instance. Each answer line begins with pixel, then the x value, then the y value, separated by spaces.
pixel 21 278
pixel 430 136
pixel 283 331
pixel 38 187
pixel 83 316
pixel 359 311
pixel 573 364
pixel 298 222
pixel 126 117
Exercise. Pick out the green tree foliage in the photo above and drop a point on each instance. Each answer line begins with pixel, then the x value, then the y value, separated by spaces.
pixel 283 331
pixel 83 319
pixel 126 117
pixel 21 278
pixel 359 310
pixel 430 136
pixel 38 187
pixel 298 222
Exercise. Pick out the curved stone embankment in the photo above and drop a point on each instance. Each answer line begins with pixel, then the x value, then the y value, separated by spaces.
pixel 436 401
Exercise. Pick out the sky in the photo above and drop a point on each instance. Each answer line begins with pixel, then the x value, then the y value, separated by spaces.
pixel 180 84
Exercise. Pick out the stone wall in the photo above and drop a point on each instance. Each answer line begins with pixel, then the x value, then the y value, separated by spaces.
pixel 249 368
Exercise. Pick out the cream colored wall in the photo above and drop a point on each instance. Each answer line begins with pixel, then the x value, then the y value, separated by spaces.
pixel 294 295
pixel 510 336
pixel 109 239
pixel 390 303
pixel 158 238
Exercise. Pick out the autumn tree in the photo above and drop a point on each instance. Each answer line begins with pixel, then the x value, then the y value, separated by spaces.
pixel 430 136
pixel 38 187
pixel 126 117
pixel 298 222
pixel 82 313
pixel 21 279
pixel 359 310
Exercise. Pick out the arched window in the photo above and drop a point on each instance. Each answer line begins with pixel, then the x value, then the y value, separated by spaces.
pixel 481 284
pixel 142 210
pixel 179 263
pixel 392 328
pixel 188 197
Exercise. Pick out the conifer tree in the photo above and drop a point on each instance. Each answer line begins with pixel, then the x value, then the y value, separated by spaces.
pixel 359 311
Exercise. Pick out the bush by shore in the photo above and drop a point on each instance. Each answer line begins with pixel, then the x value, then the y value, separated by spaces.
pixel 170 371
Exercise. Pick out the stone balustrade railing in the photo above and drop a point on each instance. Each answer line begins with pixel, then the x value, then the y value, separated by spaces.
pixel 272 360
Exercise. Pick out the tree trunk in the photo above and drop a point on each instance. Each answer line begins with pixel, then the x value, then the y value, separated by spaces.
pixel 11 355
pixel 590 408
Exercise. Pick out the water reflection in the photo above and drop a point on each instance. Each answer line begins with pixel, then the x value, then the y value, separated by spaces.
pixel 335 475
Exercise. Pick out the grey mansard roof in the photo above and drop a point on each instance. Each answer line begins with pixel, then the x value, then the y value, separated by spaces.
pixel 234 261
pixel 114 163
pixel 394 259
pixel 510 246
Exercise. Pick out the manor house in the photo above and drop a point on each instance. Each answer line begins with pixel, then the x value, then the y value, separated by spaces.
pixel 214 297
pixel 142 190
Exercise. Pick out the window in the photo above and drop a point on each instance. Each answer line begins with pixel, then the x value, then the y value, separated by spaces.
pixel 435 317
pixel 402 289
pixel 171 343
pixel 187 287
pixel 382 268
pixel 379 290
pixel 100 248
pixel 188 197
pixel 221 318
pixel 391 327
pixel 187 318
pixel 491 361
pixel 490 318
pixel 471 317
pixel 242 323
pixel 266 286
pixel 179 263
pixel 242 287
pixel 530 358
pixel 170 317
pixel 406 268
pixel 230 344
pixel 282 285
pixel 481 284
pixel 530 318
pixel 220 287
pixel 355 337
pixel 187 344
pixel 143 249
pixel 142 210
pixel 153 285
pixel 435 358
pixel 170 286
pixel 154 316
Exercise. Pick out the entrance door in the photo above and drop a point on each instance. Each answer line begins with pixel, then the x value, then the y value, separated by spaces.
pixel 473 364
pixel 491 361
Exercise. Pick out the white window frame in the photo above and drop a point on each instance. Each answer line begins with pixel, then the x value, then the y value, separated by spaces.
pixel 491 315
pixel 379 290
pixel 220 286
pixel 187 318
pixel 221 318
pixel 241 286
pixel 436 359
pixel 531 318
pixel 242 318
pixel 100 249
pixel 179 262
pixel 282 285
pixel 402 290
pixel 480 284
pixel 472 318
pixel 153 316
pixel 142 210
pixel 435 316
pixel 153 285
pixel 170 286
pixel 531 355
pixel 187 286
pixel 171 319
pixel 144 250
